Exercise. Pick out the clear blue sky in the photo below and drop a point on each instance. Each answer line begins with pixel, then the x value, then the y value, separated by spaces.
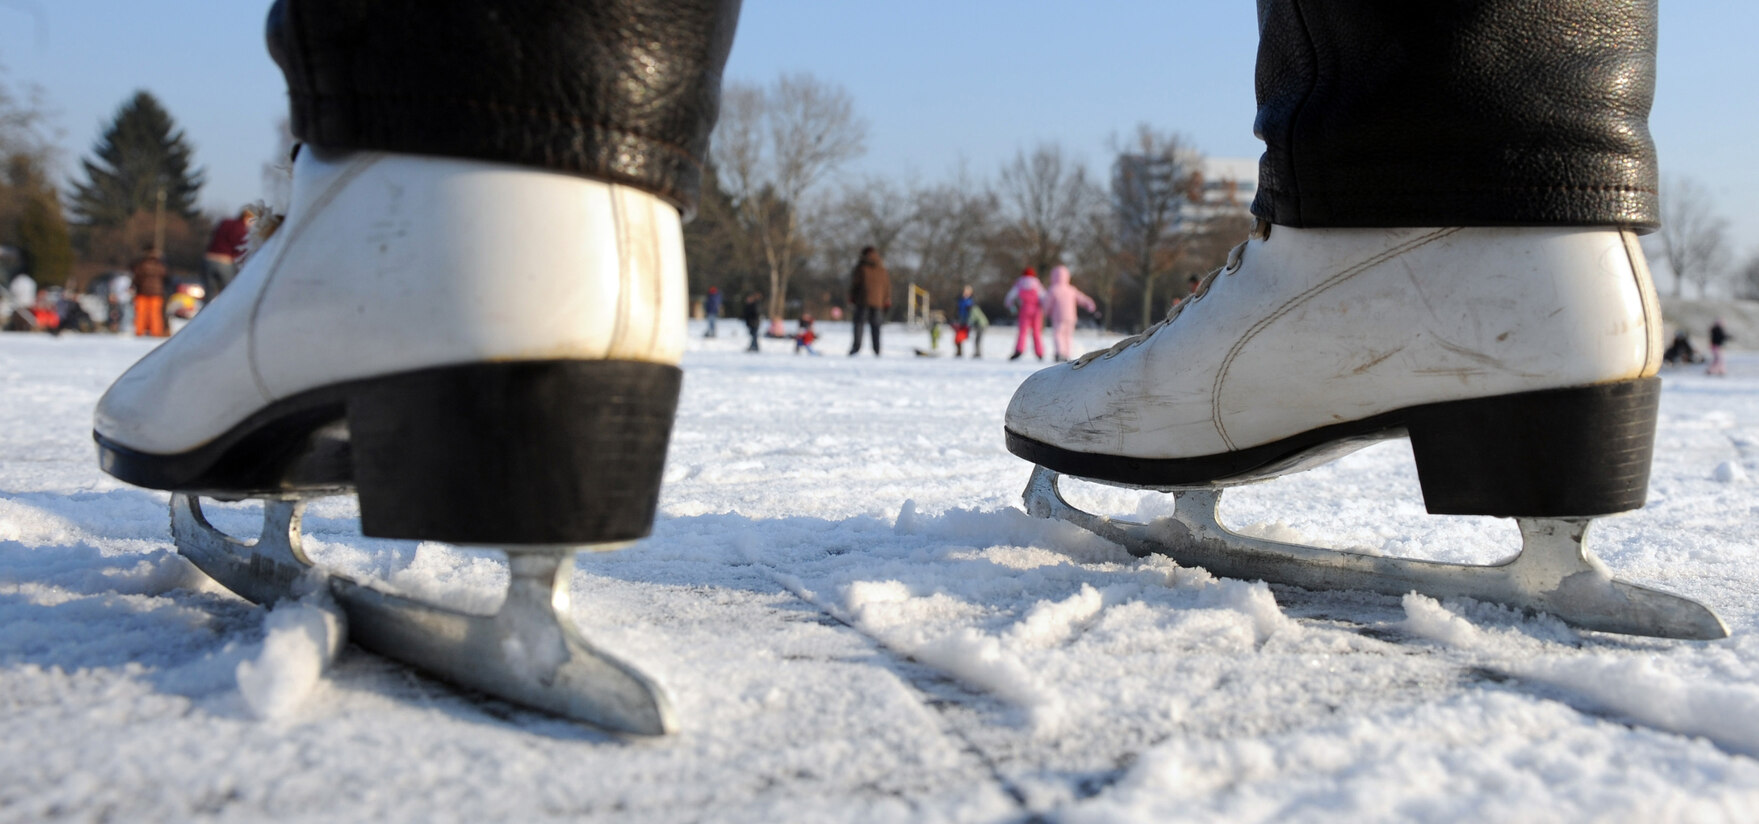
pixel 940 81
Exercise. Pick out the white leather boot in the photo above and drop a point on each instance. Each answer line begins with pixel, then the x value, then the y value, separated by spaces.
pixel 487 353
pixel 1520 361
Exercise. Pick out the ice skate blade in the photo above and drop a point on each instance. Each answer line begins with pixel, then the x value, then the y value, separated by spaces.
pixel 528 652
pixel 1554 572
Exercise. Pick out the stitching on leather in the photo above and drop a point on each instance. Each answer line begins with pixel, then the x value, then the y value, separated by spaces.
pixel 1215 394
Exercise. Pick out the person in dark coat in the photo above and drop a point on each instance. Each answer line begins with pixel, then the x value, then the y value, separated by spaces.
pixel 752 314
pixel 870 292
pixel 148 274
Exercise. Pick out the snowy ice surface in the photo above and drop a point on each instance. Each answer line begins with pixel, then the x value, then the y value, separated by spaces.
pixel 858 623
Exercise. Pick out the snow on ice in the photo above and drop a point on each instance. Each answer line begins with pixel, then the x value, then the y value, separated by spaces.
pixel 857 622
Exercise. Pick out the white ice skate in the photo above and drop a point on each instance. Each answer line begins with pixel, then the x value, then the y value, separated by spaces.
pixel 485 354
pixel 1520 362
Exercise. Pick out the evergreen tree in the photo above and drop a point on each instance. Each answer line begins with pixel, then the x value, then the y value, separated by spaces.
pixel 140 154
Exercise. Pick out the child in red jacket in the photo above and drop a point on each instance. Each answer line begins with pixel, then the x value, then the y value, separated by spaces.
pixel 804 336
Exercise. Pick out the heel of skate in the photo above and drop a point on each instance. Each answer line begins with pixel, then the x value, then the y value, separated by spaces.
pixel 1560 453
pixel 528 652
pixel 543 452
pixel 1554 573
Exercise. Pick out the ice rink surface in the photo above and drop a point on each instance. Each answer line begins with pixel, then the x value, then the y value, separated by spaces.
pixel 857 622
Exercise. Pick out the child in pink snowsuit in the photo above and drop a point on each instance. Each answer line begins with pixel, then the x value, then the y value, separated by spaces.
pixel 1063 298
pixel 1026 299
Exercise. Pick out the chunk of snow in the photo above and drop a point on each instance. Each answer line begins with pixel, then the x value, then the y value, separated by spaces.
pixel 300 640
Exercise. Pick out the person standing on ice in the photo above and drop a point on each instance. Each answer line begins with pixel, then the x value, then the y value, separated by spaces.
pixel 1446 246
pixel 1063 299
pixel 752 314
pixel 147 275
pixel 1719 337
pixel 1026 301
pixel 711 310
pixel 977 321
pixel 970 323
pixel 962 307
pixel 870 293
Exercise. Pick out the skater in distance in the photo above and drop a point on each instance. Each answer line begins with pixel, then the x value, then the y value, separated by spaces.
pixel 1445 248
pixel 870 296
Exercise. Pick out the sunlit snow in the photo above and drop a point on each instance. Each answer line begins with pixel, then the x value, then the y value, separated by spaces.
pixel 857 622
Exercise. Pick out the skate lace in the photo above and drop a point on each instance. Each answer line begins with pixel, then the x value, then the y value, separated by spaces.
pixel 1260 231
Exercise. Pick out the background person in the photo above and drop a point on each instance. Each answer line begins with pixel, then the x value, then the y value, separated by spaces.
pixel 225 246
pixel 147 275
pixel 1026 299
pixel 870 293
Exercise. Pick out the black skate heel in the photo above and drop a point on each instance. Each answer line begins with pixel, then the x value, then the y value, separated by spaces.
pixel 545 452
pixel 1563 453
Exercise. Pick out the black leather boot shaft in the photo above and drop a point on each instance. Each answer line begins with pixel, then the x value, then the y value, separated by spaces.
pixel 620 90
pixel 1456 112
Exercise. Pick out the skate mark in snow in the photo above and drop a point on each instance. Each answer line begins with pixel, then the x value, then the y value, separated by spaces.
pixel 928 683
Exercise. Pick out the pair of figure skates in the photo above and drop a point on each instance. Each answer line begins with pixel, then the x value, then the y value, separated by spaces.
pixel 488 354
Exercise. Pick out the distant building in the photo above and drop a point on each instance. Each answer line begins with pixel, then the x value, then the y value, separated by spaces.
pixel 1217 187
pixel 1224 186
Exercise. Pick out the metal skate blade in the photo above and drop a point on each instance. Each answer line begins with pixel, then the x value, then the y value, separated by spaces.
pixel 1554 573
pixel 262 571
pixel 529 652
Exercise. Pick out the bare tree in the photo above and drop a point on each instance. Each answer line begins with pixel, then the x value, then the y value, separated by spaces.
pixel 25 128
pixel 1103 276
pixel 718 250
pixel 278 171
pixel 951 238
pixel 773 146
pixel 871 212
pixel 1693 238
pixel 1047 199
pixel 1154 180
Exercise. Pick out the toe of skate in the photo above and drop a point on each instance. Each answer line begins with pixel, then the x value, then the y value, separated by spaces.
pixel 529 652
pixel 1554 573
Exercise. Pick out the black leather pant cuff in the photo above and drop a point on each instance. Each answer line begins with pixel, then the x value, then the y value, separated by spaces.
pixel 483 130
pixel 1484 113
pixel 619 90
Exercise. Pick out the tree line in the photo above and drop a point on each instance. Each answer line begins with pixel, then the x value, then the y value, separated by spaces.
pixel 779 213
pixel 777 216
pixel 1693 242
pixel 137 189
